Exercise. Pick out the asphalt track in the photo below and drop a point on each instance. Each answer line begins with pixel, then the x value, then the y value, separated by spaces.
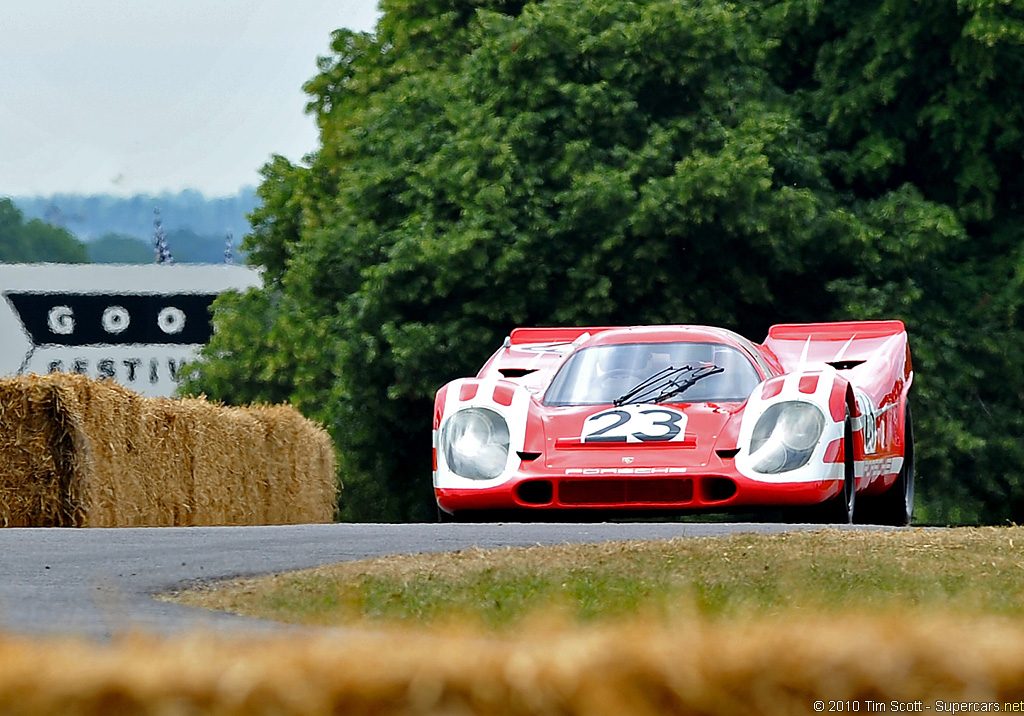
pixel 98 583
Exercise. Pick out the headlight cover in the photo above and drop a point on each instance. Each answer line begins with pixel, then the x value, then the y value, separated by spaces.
pixel 475 443
pixel 785 436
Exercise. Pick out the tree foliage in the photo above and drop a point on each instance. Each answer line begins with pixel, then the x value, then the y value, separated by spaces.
pixel 35 241
pixel 915 94
pixel 491 164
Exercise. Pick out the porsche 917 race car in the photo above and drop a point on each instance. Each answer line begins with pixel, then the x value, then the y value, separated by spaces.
pixel 813 422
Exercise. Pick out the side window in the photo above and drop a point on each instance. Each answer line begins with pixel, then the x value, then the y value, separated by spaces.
pixel 755 355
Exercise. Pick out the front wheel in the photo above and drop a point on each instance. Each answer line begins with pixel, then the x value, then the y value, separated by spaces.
pixel 895 506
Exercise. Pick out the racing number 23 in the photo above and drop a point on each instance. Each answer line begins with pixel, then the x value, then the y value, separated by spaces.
pixel 634 424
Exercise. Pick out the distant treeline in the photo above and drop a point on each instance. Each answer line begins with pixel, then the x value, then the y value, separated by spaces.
pixel 120 229
pixel 90 217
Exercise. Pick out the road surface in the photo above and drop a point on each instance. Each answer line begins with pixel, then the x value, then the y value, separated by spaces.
pixel 99 583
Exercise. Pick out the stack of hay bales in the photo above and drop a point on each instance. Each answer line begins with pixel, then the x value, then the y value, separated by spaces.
pixel 76 452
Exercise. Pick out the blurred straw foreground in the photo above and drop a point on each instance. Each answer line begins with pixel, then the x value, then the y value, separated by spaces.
pixel 769 666
pixel 77 452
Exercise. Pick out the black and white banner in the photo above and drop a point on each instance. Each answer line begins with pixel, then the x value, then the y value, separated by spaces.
pixel 75 319
pixel 137 325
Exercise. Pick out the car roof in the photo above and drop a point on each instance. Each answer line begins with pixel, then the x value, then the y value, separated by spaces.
pixel 531 356
pixel 666 334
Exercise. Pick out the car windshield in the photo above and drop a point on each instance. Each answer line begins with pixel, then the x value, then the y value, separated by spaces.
pixel 602 374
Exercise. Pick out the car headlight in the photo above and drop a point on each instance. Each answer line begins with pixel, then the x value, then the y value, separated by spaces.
pixel 475 443
pixel 785 436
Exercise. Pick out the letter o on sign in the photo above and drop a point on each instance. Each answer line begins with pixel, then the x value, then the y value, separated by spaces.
pixel 115 319
pixel 171 320
pixel 61 320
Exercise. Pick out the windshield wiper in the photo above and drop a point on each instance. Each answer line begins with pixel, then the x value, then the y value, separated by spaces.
pixel 647 382
pixel 642 392
pixel 703 372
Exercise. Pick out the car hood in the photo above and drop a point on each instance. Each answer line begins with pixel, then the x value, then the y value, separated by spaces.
pixel 701 430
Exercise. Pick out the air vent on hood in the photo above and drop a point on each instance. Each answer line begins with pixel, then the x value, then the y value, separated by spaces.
pixel 516 372
pixel 845 364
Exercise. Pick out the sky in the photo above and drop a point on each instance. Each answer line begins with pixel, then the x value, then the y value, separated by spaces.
pixel 128 97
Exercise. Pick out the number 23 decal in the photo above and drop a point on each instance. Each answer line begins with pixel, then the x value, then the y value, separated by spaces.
pixel 634 424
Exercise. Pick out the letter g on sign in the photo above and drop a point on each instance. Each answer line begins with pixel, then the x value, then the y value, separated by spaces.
pixel 61 320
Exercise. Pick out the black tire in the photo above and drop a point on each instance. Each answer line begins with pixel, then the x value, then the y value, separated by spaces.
pixel 895 506
pixel 839 510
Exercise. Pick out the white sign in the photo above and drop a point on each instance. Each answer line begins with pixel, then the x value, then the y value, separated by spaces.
pixel 137 325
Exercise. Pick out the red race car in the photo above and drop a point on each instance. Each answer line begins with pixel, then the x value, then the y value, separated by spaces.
pixel 646 419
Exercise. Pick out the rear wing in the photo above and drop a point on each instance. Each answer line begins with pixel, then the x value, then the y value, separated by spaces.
pixel 843 345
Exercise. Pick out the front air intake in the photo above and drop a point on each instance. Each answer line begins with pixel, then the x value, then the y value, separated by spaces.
pixel 717 489
pixel 535 492
pixel 625 492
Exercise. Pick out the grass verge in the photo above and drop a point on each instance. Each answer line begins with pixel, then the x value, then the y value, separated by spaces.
pixel 958 572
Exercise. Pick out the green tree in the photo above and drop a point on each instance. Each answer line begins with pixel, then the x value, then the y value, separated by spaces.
pixel 561 162
pixel 486 165
pixel 35 241
pixel 916 94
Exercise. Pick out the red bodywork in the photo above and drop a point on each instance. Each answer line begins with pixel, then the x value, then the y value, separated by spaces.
pixel 857 373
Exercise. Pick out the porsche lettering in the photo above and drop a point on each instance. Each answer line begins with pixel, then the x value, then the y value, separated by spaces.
pixel 625 471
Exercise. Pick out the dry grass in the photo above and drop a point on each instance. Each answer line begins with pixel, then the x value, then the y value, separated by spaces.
pixel 77 452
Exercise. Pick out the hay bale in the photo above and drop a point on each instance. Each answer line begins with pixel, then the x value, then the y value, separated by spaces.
pixel 302 459
pixel 76 452
pixel 42 463
pixel 235 462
